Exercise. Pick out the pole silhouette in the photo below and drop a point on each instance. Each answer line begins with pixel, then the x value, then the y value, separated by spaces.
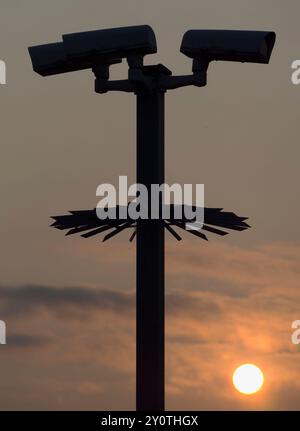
pixel 150 268
pixel 99 50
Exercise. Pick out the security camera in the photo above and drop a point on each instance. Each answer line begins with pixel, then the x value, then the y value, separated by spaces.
pixel 93 49
pixel 50 59
pixel 228 45
pixel 110 43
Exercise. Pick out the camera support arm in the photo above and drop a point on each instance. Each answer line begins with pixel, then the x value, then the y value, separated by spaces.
pixel 149 78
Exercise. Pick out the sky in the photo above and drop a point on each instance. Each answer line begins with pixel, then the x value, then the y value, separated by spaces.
pixel 68 303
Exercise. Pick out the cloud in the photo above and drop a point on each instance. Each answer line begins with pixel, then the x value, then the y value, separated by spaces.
pixel 28 341
pixel 225 305
pixel 28 299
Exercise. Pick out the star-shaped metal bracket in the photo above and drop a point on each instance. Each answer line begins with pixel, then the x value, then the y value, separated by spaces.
pixel 87 223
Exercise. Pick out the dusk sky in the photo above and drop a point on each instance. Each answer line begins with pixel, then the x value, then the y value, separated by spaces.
pixel 69 303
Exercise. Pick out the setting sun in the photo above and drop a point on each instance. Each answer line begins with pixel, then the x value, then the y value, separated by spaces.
pixel 248 379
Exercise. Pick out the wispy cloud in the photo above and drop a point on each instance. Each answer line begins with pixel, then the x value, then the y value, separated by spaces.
pixel 225 305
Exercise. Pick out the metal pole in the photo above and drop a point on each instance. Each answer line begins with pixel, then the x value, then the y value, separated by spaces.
pixel 150 367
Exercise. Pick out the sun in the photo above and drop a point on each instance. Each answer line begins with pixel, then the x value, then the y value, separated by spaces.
pixel 248 379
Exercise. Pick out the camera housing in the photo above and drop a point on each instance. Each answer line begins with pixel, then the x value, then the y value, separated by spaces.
pixel 85 50
pixel 110 43
pixel 50 59
pixel 229 45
